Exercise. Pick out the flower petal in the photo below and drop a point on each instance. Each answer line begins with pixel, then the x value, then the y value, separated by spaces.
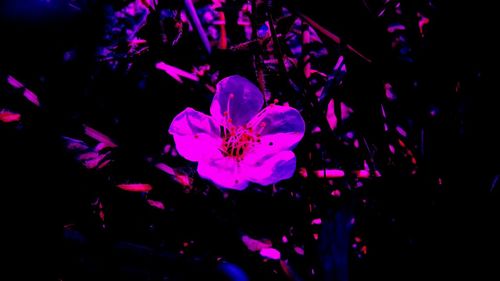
pixel 237 96
pixel 224 172
pixel 270 168
pixel 196 135
pixel 280 127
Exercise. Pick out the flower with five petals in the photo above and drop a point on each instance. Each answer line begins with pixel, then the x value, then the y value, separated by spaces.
pixel 239 143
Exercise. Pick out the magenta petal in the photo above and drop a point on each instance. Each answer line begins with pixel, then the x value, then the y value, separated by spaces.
pixel 224 172
pixel 237 96
pixel 156 204
pixel 280 127
pixel 98 136
pixel 196 135
pixel 271 168
pixel 270 253
pixel 330 173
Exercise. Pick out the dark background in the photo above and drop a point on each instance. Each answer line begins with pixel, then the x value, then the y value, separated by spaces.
pixel 418 229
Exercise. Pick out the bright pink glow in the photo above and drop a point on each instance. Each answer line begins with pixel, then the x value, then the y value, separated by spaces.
pixel 413 160
pixel 401 143
pixel 8 117
pixel 336 193
pixel 356 143
pixel 255 245
pixel 136 41
pixel 270 253
pixel 14 83
pixel 284 239
pixel 183 179
pixel 253 146
pixel 330 115
pixel 389 94
pixel 88 155
pixel 92 159
pixel 135 187
pixel 346 111
pixel 316 130
pixel 156 204
pixel 365 165
pixel 339 63
pixel 364 174
pixel 167 149
pixel 303 172
pixel 74 144
pixel 395 27
pixel 299 250
pixel 316 221
pixel 329 173
pixel 103 164
pixel 392 149
pixel 176 73
pixel 92 163
pixel 422 21
pixel 100 146
pixel 32 97
pixel 164 167
pixel 401 131
pixel 99 136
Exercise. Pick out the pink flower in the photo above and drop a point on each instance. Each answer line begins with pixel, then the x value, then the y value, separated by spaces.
pixel 238 144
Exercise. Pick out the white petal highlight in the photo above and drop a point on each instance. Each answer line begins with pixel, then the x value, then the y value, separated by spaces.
pixel 236 98
pixel 196 135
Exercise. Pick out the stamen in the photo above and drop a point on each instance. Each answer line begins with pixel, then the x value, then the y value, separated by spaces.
pixel 238 140
pixel 227 112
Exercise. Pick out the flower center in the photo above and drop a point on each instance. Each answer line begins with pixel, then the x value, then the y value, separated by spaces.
pixel 238 140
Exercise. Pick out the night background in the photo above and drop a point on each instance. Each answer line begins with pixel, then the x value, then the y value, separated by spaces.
pixel 84 126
